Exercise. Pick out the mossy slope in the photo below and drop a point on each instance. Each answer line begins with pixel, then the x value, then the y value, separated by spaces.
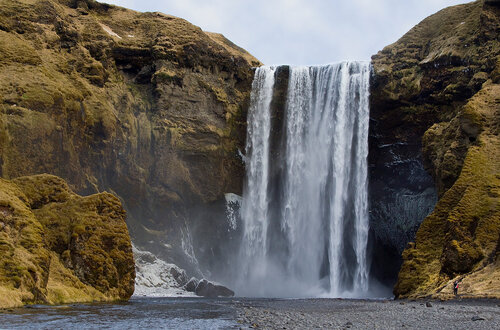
pixel 439 84
pixel 58 247
pixel 460 239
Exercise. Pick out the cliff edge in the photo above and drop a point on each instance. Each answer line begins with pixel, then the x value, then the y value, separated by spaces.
pixel 439 85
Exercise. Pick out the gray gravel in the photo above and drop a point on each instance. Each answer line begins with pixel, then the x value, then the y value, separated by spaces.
pixel 368 314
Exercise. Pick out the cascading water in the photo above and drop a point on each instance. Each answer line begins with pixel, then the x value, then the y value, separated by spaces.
pixel 304 208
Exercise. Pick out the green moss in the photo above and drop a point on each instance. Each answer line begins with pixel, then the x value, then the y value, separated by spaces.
pixel 165 76
pixel 219 94
pixel 89 221
pixel 495 74
pixel 43 189
pixel 472 116
pixel 17 50
pixel 45 223
pixel 37 98
pixel 461 235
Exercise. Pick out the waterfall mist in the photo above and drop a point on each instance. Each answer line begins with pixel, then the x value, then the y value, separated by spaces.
pixel 304 211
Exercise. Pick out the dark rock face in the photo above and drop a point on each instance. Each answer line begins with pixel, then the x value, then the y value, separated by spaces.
pixel 492 2
pixel 428 75
pixel 191 285
pixel 401 195
pixel 210 290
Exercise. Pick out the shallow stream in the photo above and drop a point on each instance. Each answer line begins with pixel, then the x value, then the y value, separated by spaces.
pixel 138 313
pixel 236 313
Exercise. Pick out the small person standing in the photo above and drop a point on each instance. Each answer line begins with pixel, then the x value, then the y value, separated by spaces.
pixel 455 287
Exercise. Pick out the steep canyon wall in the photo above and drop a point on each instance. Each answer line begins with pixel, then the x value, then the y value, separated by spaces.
pixel 435 97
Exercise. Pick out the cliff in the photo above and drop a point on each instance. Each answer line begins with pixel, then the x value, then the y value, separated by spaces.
pixel 153 109
pixel 145 105
pixel 58 247
pixel 437 90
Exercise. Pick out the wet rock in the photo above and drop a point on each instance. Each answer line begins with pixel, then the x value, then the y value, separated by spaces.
pixel 191 285
pixel 179 275
pixel 428 304
pixel 212 290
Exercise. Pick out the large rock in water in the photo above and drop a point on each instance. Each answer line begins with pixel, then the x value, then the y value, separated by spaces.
pixel 58 247
pixel 208 289
pixel 439 85
pixel 141 104
pixel 191 285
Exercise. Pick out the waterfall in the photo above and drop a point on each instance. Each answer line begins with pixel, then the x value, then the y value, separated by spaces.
pixel 304 209
pixel 256 202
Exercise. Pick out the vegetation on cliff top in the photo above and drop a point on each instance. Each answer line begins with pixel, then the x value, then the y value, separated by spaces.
pixel 57 247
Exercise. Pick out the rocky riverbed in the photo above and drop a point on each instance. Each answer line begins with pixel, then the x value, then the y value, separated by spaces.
pixel 245 313
pixel 369 314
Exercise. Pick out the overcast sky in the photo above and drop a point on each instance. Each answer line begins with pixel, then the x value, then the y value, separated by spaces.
pixel 301 31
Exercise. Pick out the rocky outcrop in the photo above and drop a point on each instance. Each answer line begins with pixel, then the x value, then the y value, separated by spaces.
pixel 58 247
pixel 145 105
pixel 436 89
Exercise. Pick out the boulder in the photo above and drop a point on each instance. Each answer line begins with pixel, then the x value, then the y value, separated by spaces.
pixel 191 285
pixel 212 290
pixel 179 275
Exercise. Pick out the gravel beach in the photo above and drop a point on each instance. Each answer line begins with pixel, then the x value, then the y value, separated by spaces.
pixel 369 314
